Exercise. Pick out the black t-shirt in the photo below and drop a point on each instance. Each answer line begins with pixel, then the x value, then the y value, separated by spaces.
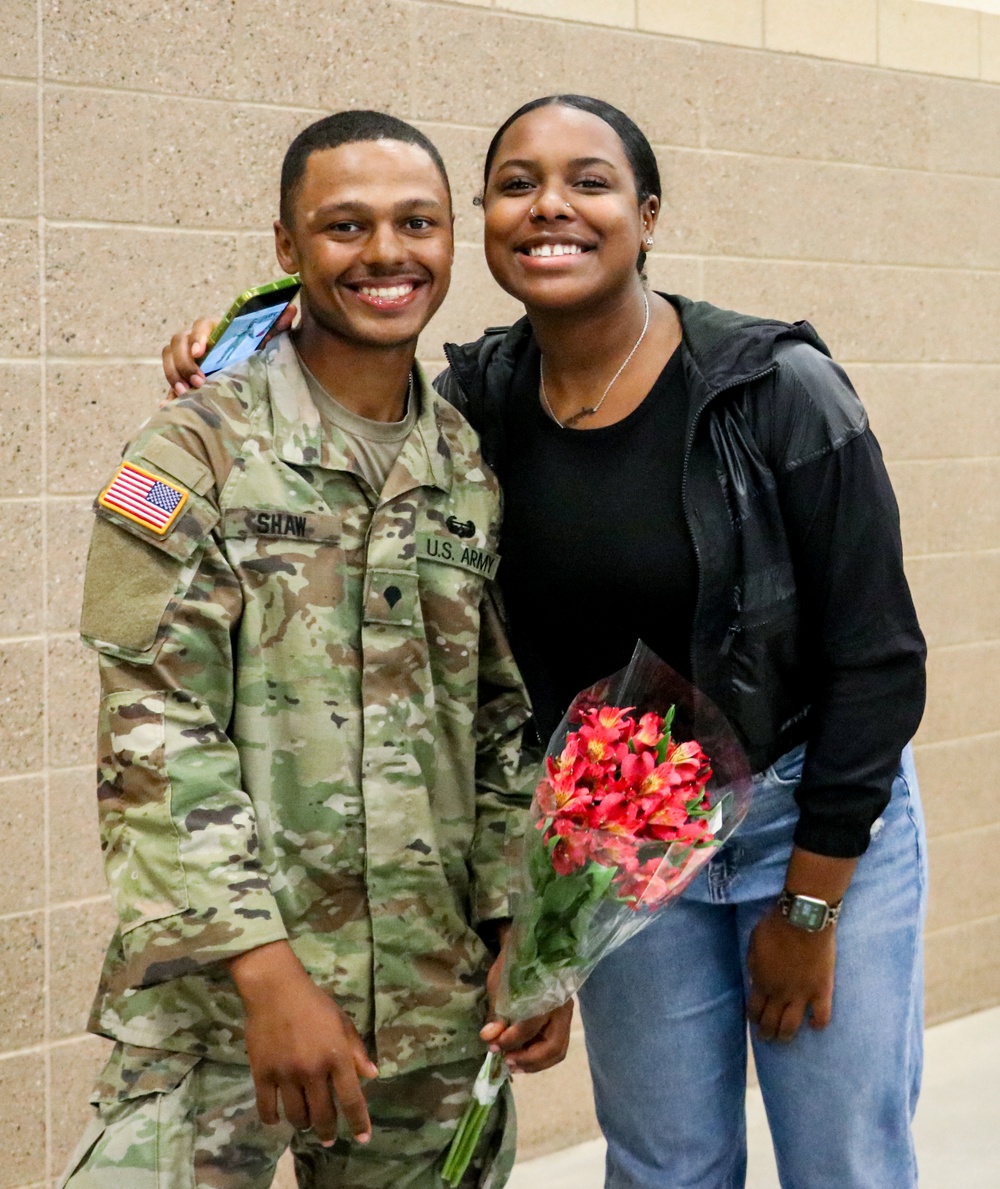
pixel 596 554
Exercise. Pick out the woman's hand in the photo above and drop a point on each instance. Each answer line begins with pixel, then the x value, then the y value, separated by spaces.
pixel 530 1045
pixel 181 355
pixel 791 972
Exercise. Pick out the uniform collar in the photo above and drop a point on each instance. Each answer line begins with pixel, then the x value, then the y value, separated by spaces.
pixel 300 437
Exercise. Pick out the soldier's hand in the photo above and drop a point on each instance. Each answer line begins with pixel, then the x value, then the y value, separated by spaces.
pixel 303 1049
pixel 529 1045
pixel 532 1045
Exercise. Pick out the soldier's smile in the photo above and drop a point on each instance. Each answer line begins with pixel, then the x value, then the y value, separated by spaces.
pixel 387 294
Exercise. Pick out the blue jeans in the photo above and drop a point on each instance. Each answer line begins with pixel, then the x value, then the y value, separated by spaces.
pixel 665 1019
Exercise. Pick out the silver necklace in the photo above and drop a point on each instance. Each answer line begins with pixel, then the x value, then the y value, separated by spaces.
pixel 589 411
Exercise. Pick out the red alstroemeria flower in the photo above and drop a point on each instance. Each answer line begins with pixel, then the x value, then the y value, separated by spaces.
pixel 602 745
pixel 571 759
pixel 637 766
pixel 666 822
pixel 623 820
pixel 611 850
pixel 694 831
pixel 661 780
pixel 545 795
pixel 572 851
pixel 688 759
pixel 649 732
pixel 613 718
pixel 560 794
pixel 649 884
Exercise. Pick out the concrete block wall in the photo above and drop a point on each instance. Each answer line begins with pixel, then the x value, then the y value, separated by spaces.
pixel 839 162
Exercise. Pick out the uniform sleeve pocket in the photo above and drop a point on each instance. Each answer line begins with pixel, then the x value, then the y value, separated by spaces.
pixel 138 834
pixel 128 589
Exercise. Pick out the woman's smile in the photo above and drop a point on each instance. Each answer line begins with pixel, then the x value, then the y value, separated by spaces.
pixel 553 252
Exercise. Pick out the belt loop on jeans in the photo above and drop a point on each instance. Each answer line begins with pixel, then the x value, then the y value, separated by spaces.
pixel 719 876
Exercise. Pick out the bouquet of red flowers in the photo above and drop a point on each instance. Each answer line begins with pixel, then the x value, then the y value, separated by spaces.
pixel 644 780
pixel 623 812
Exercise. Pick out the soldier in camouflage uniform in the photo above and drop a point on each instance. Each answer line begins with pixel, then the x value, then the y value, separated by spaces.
pixel 310 734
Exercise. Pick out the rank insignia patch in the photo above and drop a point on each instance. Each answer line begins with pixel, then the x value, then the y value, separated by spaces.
pixel 147 499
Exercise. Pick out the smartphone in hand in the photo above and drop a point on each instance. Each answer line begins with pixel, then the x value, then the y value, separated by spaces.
pixel 247 323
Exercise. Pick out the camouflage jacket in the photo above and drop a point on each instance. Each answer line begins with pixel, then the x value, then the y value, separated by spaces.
pixel 310 720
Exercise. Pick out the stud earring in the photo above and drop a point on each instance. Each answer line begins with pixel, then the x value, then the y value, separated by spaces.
pixel 649 241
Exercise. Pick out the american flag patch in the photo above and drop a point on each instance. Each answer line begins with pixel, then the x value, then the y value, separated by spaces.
pixel 145 498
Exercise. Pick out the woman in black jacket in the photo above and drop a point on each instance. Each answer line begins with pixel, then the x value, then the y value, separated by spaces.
pixel 707 481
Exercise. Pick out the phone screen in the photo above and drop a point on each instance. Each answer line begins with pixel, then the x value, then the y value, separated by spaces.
pixel 242 337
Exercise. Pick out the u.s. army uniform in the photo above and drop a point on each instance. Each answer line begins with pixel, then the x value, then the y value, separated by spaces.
pixel 309 729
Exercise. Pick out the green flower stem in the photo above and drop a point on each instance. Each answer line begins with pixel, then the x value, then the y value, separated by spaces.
pixel 463 1146
pixel 473 1122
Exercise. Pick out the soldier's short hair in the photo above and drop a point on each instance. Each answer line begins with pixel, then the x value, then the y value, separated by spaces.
pixel 347 127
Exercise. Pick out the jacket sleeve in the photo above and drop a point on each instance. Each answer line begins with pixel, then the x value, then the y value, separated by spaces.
pixel 178 832
pixel 507 771
pixel 861 638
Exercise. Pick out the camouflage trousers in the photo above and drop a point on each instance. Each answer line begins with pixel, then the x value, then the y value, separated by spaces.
pixel 178 1121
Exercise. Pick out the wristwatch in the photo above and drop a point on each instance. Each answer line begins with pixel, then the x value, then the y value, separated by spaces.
pixel 808 913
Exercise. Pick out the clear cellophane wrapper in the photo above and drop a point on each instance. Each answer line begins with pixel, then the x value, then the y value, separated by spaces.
pixel 565 923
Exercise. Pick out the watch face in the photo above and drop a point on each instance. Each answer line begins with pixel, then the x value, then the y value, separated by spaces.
pixel 806 913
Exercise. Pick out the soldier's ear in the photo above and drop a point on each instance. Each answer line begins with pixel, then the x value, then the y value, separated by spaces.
pixel 284 248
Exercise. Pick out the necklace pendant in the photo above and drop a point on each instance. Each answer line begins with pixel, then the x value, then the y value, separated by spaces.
pixel 590 410
pixel 578 416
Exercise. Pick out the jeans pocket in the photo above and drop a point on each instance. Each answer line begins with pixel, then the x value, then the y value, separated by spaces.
pixel 786 771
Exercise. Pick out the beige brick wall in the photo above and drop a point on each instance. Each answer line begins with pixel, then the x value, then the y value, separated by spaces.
pixel 954 37
pixel 824 168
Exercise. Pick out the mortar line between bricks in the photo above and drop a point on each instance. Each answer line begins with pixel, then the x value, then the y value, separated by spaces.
pixel 310 112
pixel 946 555
pixel 12 779
pixel 46 667
pixel 85 902
pixel 979 828
pixel 911 363
pixel 989 642
pixel 970 924
pixel 61 1042
pixel 944 458
pixel 725 257
pixel 655 34
pixel 918 747
pixel 154 361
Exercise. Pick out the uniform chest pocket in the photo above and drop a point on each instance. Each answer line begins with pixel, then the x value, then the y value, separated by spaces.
pixel 453 576
pixel 290 566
